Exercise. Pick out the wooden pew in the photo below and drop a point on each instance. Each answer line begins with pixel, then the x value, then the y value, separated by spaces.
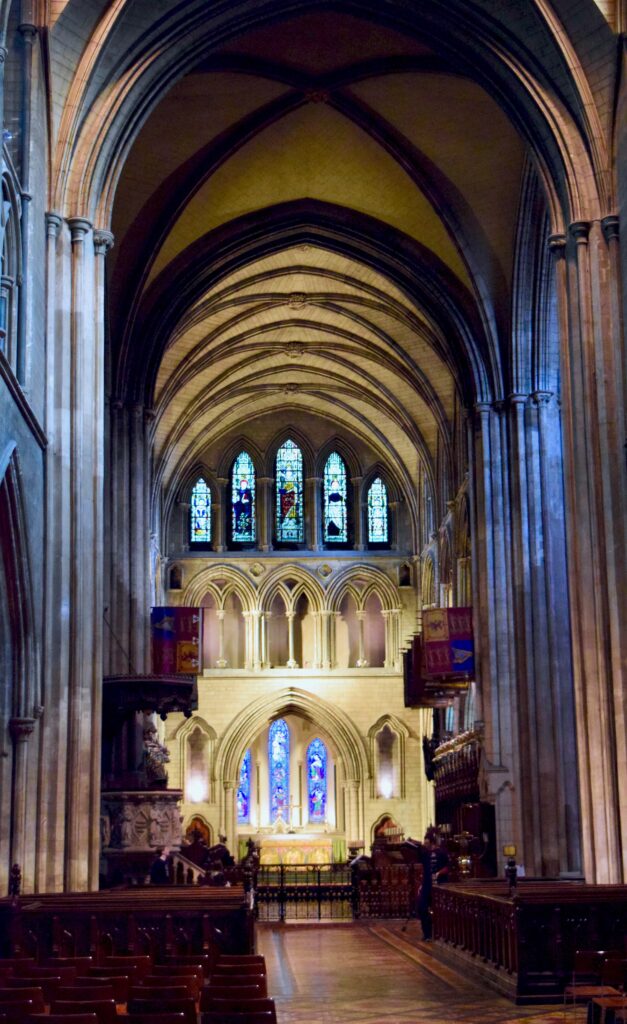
pixel 523 944
pixel 159 922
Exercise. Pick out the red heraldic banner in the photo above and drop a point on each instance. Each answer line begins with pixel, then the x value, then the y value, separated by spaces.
pixel 448 642
pixel 175 634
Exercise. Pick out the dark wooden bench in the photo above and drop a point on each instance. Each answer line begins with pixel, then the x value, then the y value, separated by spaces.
pixel 155 922
pixel 524 944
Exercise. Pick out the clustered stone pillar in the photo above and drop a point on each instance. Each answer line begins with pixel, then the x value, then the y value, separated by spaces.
pixel 67 848
pixel 587 263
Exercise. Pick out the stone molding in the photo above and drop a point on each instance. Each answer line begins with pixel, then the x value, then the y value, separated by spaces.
pixel 140 821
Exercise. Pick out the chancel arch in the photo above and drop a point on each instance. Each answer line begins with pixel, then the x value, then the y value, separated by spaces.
pixel 336 725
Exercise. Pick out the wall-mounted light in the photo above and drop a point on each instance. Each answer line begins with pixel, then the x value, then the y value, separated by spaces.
pixel 196 790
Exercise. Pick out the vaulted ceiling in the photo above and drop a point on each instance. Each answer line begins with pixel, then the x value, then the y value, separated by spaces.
pixel 218 318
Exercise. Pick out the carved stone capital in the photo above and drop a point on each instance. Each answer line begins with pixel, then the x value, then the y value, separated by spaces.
pixel 483 408
pixel 3 54
pixel 79 226
pixel 541 398
pixel 28 31
pixel 21 729
pixel 580 229
pixel 53 223
pixel 557 245
pixel 103 241
pixel 611 228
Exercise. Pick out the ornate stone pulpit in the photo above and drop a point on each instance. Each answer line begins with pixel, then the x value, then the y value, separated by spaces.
pixel 139 814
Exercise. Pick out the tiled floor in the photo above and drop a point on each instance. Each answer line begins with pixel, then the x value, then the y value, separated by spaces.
pixel 373 973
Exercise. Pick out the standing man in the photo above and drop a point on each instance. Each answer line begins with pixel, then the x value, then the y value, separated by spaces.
pixel 435 871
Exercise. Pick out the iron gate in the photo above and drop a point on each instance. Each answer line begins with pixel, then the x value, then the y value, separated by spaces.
pixel 325 892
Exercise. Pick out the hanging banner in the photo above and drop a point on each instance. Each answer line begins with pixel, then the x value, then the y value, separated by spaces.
pixel 448 644
pixel 176 640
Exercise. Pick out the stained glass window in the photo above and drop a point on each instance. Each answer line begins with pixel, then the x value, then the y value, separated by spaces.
pixel 279 762
pixel 200 532
pixel 317 780
pixel 243 499
pixel 290 527
pixel 243 791
pixel 335 516
pixel 377 512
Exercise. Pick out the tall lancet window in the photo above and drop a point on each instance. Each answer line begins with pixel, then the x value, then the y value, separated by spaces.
pixel 378 532
pixel 279 764
pixel 243 790
pixel 243 500
pixel 317 780
pixel 200 510
pixel 335 512
pixel 290 523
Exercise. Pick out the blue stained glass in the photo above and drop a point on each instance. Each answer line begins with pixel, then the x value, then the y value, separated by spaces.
pixel 290 527
pixel 243 791
pixel 279 762
pixel 377 512
pixel 335 516
pixel 200 532
pixel 317 780
pixel 243 499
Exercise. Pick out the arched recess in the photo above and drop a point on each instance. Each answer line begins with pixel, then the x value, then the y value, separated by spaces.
pixel 429 580
pixel 293 581
pixel 11 268
pixel 176 510
pixel 196 739
pixel 401 734
pixel 241 732
pixel 20 693
pixel 220 580
pixel 360 581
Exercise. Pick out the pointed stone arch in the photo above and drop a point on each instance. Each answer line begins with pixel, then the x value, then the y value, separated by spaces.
pixel 361 581
pixel 291 700
pixel 207 580
pixel 402 733
pixel 304 583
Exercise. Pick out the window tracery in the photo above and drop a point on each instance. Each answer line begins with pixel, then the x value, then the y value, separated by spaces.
pixel 243 500
pixel 243 790
pixel 335 518
pixel 279 763
pixel 200 511
pixel 290 520
pixel 378 527
pixel 317 781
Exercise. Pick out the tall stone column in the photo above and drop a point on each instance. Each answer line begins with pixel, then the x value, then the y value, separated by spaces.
pixel 493 622
pixel 313 521
pixel 85 540
pixel 221 661
pixel 21 730
pixel 230 819
pixel 587 273
pixel 353 831
pixel 265 489
pixel 139 539
pixel 291 662
pixel 257 626
pixel 358 518
pixel 362 661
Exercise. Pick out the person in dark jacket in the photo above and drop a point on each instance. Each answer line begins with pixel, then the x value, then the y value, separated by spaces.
pixel 159 874
pixel 435 871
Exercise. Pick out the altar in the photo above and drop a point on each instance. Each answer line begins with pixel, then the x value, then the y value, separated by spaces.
pixel 299 847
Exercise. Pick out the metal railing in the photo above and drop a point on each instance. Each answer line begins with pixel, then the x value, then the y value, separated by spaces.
pixel 323 892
